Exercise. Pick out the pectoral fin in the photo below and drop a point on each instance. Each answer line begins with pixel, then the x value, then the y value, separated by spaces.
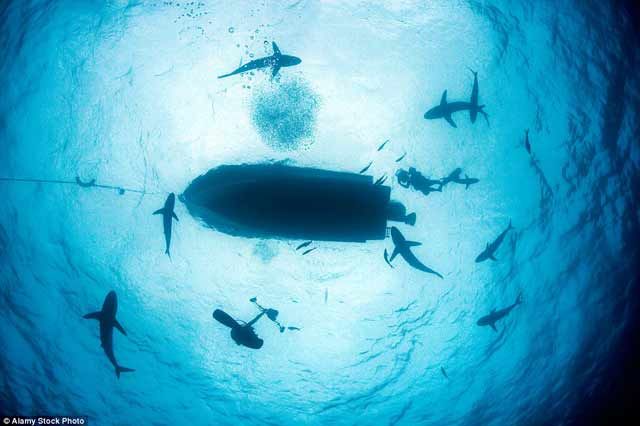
pixel 492 257
pixel 117 325
pixel 493 325
pixel 174 216
pixel 93 315
pixel 450 120
pixel 413 243
pixel 159 211
pixel 275 70
pixel 394 254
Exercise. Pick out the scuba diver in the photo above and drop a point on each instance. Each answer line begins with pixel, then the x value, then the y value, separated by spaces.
pixel 243 333
pixel 415 179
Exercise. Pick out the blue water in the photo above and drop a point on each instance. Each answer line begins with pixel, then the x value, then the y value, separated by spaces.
pixel 125 92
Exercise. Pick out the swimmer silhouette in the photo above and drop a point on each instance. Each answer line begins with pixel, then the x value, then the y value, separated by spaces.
pixel 275 62
pixel 242 334
pixel 167 216
pixel 107 318
pixel 415 179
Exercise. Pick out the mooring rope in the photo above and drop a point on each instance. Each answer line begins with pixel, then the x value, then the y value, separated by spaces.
pixel 89 184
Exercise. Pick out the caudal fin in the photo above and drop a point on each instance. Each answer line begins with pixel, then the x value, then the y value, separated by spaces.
pixel 519 299
pixel 120 369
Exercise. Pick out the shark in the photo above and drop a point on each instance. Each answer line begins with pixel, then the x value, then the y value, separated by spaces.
pixel 402 247
pixel 107 319
pixel 496 315
pixel 167 216
pixel 446 108
pixel 490 249
pixel 275 62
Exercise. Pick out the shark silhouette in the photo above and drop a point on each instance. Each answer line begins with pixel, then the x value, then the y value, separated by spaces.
pixel 275 62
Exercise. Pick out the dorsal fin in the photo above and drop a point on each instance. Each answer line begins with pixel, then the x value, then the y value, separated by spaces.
pixel 276 50
pixel 443 100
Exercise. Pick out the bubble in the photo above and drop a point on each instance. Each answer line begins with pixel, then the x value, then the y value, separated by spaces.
pixel 284 114
pixel 231 30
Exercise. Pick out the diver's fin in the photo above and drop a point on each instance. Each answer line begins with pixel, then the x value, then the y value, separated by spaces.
pixel 120 369
pixel 117 325
pixel 159 211
pixel 493 325
pixel 276 50
pixel 413 243
pixel 225 318
pixel 175 216
pixel 450 121
pixel 94 315
pixel 443 100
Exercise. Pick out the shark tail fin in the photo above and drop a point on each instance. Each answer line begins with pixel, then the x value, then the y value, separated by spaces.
pixel 410 219
pixel 519 299
pixel 120 369
pixel 472 71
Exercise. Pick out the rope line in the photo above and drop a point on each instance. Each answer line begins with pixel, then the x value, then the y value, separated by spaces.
pixel 89 184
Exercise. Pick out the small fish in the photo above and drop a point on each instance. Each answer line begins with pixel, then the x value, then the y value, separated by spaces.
pixel 527 145
pixel 303 245
pixel 401 157
pixel 382 179
pixel 366 168
pixel 383 144
pixel 294 328
pixel 444 373
pixel 326 295
pixel 309 251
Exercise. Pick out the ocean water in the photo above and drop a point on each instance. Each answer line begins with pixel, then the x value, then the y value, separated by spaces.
pixel 126 93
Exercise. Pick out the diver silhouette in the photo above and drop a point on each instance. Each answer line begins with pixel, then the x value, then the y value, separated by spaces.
pixel 415 179
pixel 241 333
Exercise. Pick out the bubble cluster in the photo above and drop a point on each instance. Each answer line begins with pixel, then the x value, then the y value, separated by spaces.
pixel 284 113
